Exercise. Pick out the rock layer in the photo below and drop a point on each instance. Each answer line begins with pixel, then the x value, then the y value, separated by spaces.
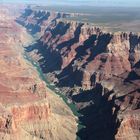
pixel 76 47
pixel 97 69
pixel 28 109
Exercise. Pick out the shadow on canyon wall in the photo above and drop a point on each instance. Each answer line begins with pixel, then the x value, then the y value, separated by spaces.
pixel 137 65
pixel 100 121
pixel 99 114
pixel 60 29
pixel 73 40
pixel 49 60
pixel 82 51
pixel 97 106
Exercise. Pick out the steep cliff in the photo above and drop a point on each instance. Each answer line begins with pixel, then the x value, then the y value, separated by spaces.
pixel 98 70
pixel 77 47
pixel 28 109
pixel 126 95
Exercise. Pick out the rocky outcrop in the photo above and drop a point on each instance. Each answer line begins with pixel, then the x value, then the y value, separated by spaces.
pixel 126 94
pixel 82 48
pixel 28 109
pixel 98 70
pixel 37 20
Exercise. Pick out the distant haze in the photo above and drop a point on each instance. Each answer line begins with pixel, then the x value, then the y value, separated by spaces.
pixel 116 3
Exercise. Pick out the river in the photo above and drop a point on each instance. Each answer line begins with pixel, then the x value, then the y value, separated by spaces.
pixel 72 106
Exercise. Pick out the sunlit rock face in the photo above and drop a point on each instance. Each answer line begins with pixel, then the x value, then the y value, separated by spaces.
pixel 80 48
pixel 28 109
pixel 126 95
pixel 97 69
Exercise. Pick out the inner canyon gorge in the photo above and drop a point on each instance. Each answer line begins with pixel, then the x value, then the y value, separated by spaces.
pixel 62 79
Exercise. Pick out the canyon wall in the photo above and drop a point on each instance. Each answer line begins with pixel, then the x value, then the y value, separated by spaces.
pixel 28 109
pixel 98 70
pixel 81 48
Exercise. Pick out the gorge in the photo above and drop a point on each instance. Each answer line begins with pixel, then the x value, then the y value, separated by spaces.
pixel 96 72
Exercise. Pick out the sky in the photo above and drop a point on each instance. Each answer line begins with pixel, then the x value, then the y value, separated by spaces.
pixel 126 3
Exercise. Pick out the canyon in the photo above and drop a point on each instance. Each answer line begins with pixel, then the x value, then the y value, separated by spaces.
pixel 96 70
pixel 28 109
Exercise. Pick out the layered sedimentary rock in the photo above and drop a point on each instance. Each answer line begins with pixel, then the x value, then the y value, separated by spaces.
pixel 99 70
pixel 77 47
pixel 28 110
pixel 126 95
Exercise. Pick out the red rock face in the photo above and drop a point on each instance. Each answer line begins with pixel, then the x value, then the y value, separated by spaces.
pixel 82 56
pixel 129 129
pixel 25 103
pixel 90 53
pixel 20 92
pixel 84 48
pixel 127 97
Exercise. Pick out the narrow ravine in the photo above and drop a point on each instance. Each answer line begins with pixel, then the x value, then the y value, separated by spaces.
pixel 72 106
